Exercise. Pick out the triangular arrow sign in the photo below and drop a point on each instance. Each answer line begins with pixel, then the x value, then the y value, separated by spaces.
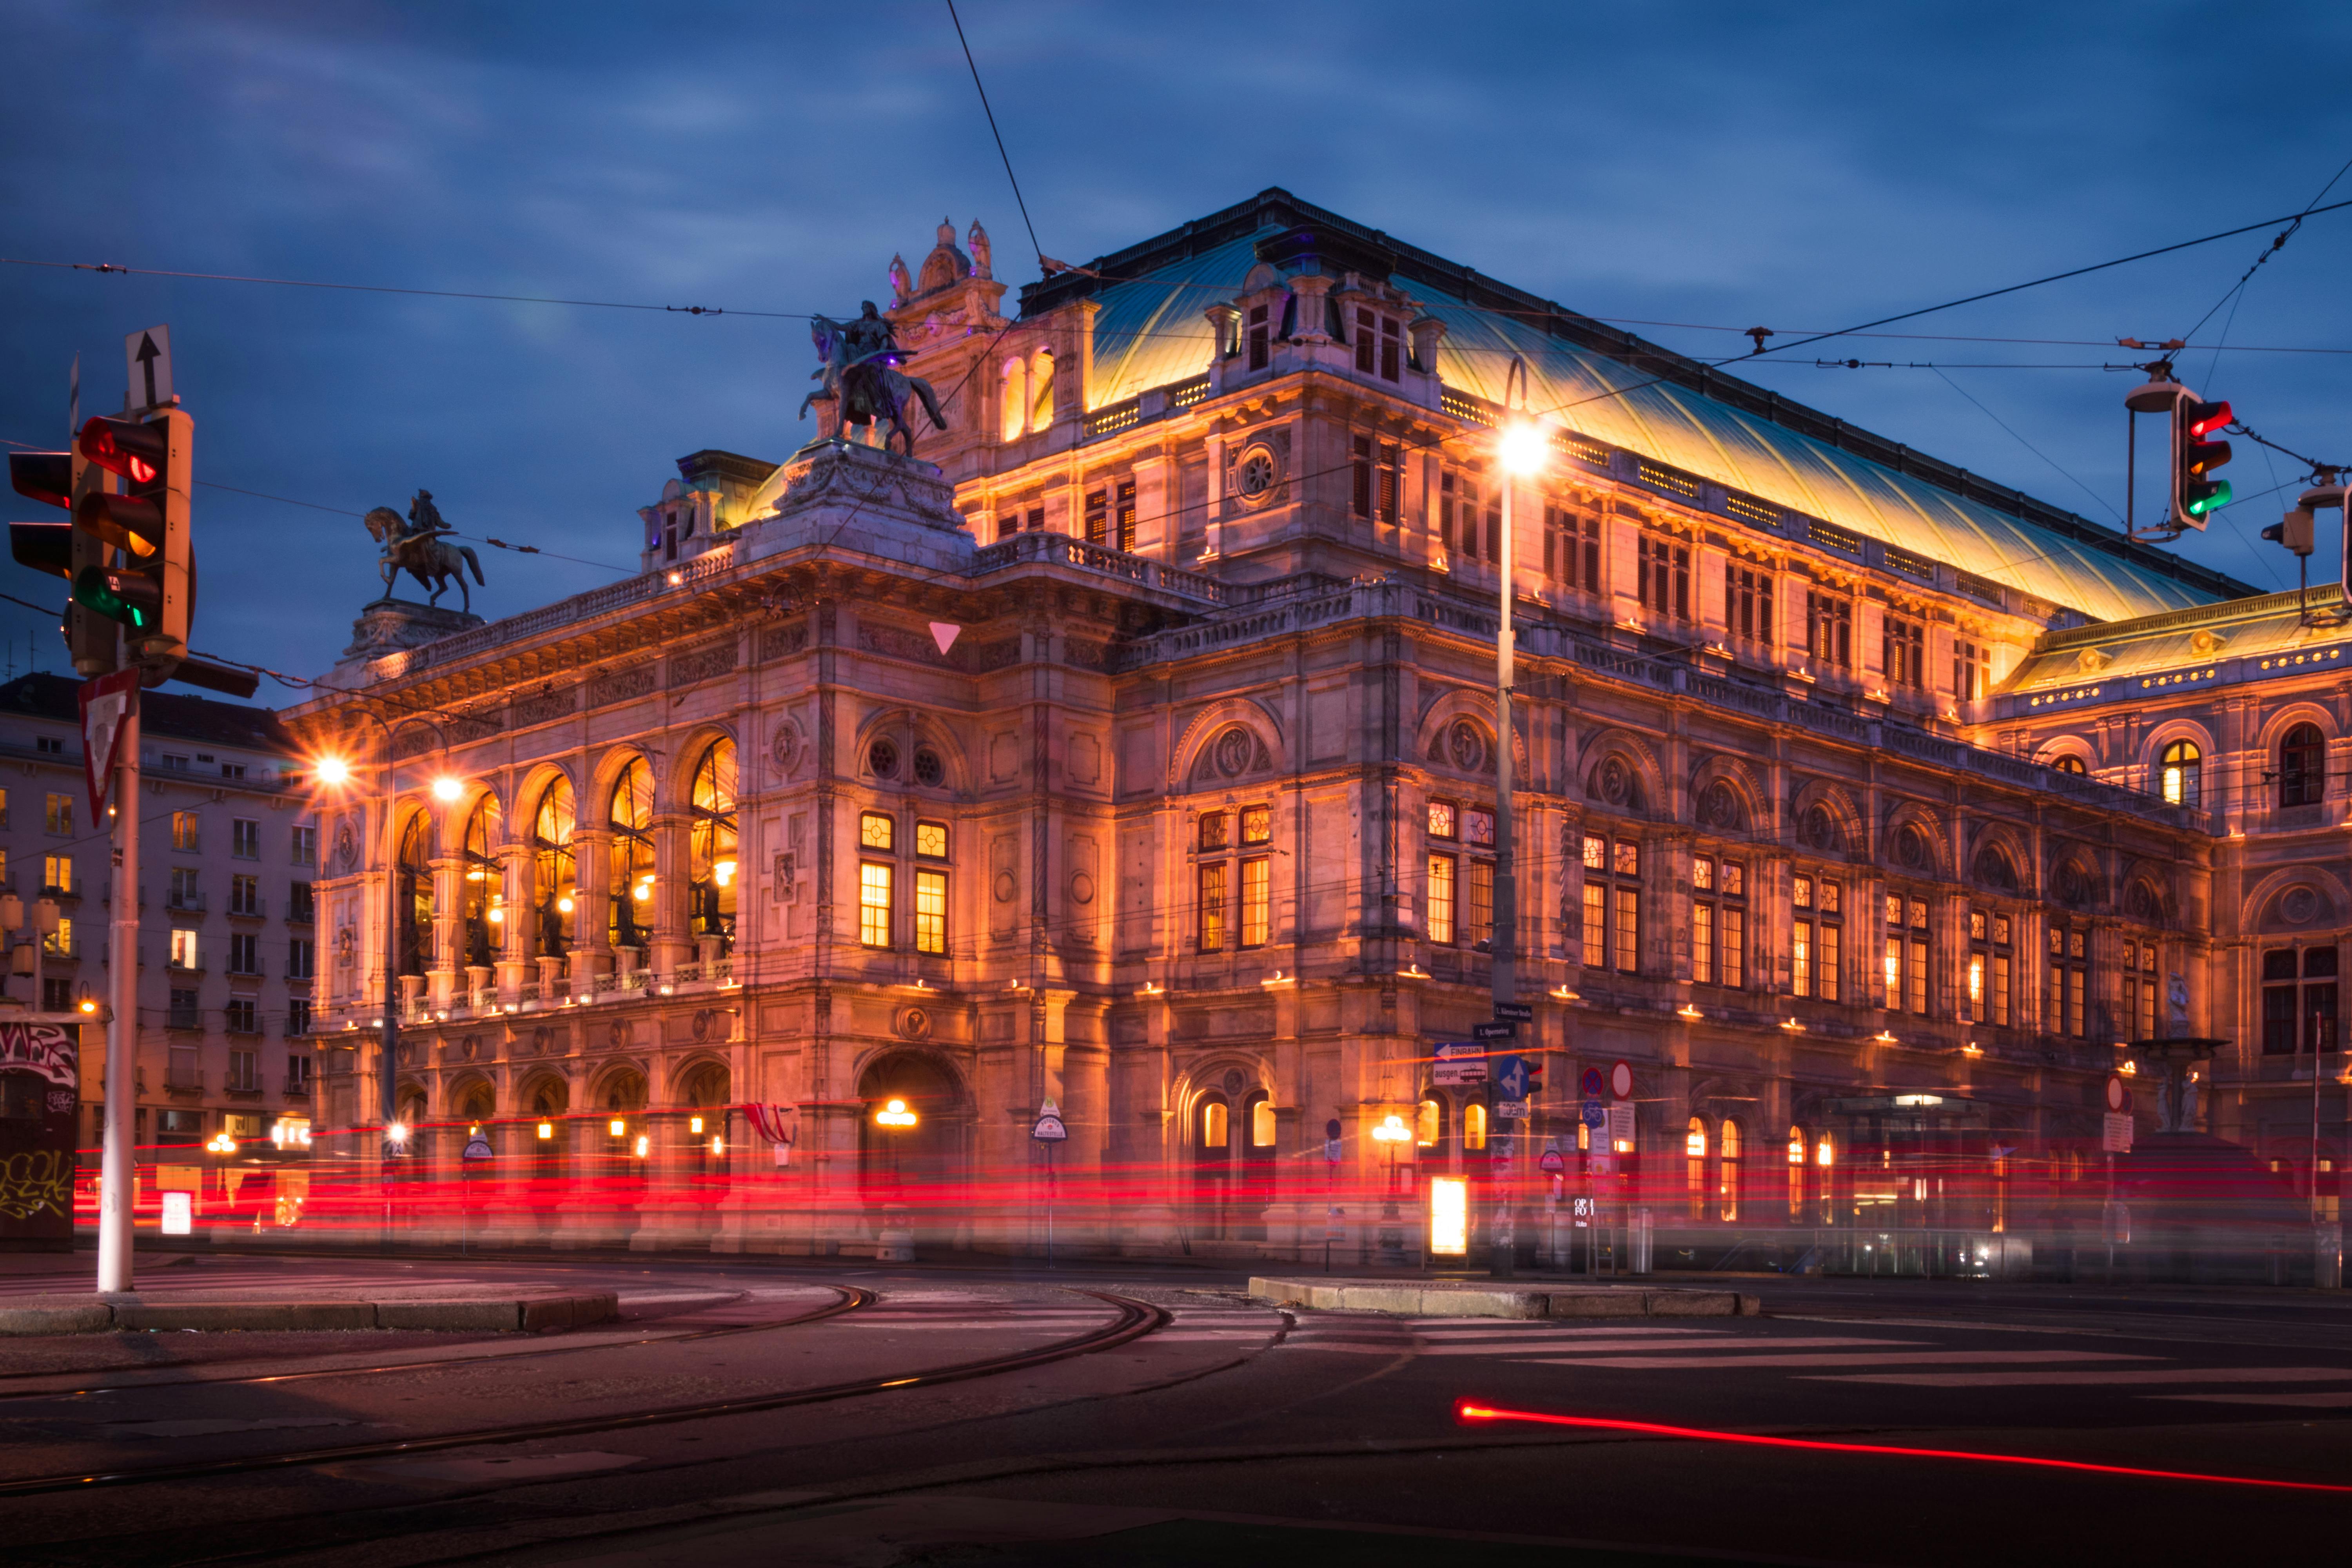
pixel 106 702
pixel 944 633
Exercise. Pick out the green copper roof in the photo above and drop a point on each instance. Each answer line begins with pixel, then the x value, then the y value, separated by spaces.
pixel 1150 332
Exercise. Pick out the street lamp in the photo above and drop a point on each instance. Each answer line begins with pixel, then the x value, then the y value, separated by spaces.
pixel 1522 445
pixel 1391 1132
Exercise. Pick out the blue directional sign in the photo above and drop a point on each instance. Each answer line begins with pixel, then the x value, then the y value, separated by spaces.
pixel 1595 1114
pixel 1510 1077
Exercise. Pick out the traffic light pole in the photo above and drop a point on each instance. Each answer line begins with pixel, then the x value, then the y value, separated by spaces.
pixel 117 1174
pixel 1503 945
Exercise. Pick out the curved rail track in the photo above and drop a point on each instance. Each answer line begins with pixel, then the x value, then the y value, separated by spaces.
pixel 1136 1320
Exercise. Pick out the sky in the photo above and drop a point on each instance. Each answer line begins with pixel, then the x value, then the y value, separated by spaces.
pixel 1715 166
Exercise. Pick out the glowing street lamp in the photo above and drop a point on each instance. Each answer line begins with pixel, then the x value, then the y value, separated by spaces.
pixel 1390 1132
pixel 445 788
pixel 895 1115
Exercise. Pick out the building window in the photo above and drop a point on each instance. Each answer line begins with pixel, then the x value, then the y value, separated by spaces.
pixel 1663 575
pixel 49 745
pixel 931 841
pixel 1209 885
pixel 244 838
pixel 297 1023
pixel 2140 987
pixel 1379 345
pixel 1441 898
pixel 931 912
pixel 1257 825
pixel 876 830
pixel 1123 512
pixel 244 954
pixel 1747 602
pixel 1829 629
pixel 1573 549
pixel 60 943
pixel 2071 764
pixel 1375 482
pixel 1906 954
pixel 1694 1167
pixel 302 958
pixel 304 847
pixel 1727 1180
pixel 297 1071
pixel 1816 945
pixel 240 1016
pixel 1257 904
pixel 1718 921
pixel 244 1071
pixel 1474 1127
pixel 185 953
pixel 187 832
pixel 1481 912
pixel 875 888
pixel 2070 980
pixel 183 892
pixel 60 816
pixel 1904 647
pixel 1613 903
pixel 2180 775
pixel 1991 968
pixel 1444 821
pixel 1797 1145
pixel 245 895
pixel 2287 1026
pixel 1097 515
pixel 56 875
pixel 1429 1123
pixel 1970 668
pixel 1215 830
pixel 2303 766
pixel 1260 338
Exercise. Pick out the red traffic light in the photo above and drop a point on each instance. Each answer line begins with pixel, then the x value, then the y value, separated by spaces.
pixel 43 546
pixel 45 477
pixel 125 446
pixel 2204 418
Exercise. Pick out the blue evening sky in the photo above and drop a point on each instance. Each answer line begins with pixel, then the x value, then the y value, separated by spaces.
pixel 1718 164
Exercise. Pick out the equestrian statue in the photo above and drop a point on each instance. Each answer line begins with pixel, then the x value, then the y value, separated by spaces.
pixel 420 546
pixel 861 372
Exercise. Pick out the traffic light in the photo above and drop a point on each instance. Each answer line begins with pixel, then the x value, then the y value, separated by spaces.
pixel 1535 1075
pixel 150 590
pixel 2194 496
pixel 60 479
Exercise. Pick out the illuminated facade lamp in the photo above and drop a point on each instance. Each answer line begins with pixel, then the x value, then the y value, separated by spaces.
pixel 1796 1148
pixel 1392 1130
pixel 895 1114
pixel 722 872
pixel 717 1144
pixel 222 1144
pixel 694 1125
pixel 1562 993
pixel 396 1132
pixel 1688 1011
pixel 1824 1152
pixel 445 788
pixel 620 1128
pixel 644 1145
pixel 1695 1144
pixel 546 1129
pixel 332 769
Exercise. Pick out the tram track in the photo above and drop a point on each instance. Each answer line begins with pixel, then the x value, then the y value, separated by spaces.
pixel 1136 1320
pixel 852 1298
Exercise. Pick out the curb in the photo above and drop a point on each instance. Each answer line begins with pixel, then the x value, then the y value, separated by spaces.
pixel 510 1315
pixel 1444 1301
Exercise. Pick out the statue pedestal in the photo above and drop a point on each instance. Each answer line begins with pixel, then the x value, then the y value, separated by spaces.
pixel 389 626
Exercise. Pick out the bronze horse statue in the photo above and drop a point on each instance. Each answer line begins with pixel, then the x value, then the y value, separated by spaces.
pixel 861 371
pixel 427 555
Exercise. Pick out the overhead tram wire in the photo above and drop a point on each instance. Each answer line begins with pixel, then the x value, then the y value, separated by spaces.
pixel 2237 290
pixel 992 130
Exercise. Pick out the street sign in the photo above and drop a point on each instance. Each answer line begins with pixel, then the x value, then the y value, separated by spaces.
pixel 1512 1110
pixel 1335 1226
pixel 1620 1080
pixel 147 359
pixel 1331 1128
pixel 479 1148
pixel 1510 1077
pixel 105 703
pixel 1621 1123
pixel 1049 1129
pixel 1591 1083
pixel 1552 1164
pixel 1515 1012
pixel 1331 1150
pixel 1494 1031
pixel 2118 1095
pixel 1457 1065
pixel 1595 1114
pixel 2115 1134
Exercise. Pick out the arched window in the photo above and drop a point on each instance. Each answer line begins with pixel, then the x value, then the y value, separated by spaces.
pixel 1429 1123
pixel 2182 773
pixel 631 818
pixel 2071 764
pixel 1216 1125
pixel 416 906
pixel 1041 389
pixel 2303 766
pixel 1726 1185
pixel 712 863
pixel 1474 1127
pixel 1262 1125
pixel 1013 390
pixel 1694 1167
pixel 482 895
pixel 554 875
pixel 1798 1144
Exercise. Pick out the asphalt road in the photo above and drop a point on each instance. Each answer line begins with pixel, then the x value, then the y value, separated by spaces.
pixel 1214 1429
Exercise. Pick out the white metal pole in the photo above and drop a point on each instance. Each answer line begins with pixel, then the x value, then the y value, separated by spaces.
pixel 118 1169
pixel 1503 943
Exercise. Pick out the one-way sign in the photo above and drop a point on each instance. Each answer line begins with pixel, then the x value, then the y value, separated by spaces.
pixel 147 357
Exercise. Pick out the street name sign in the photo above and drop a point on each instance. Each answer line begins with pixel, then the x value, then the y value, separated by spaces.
pixel 1494 1031
pixel 1515 1012
pixel 1458 1064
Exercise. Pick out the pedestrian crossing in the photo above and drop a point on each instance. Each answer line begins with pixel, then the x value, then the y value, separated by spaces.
pixel 1907 1360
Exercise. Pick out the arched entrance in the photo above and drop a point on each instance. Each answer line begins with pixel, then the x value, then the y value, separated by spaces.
pixel 704 1091
pixel 1231 1145
pixel 915 1164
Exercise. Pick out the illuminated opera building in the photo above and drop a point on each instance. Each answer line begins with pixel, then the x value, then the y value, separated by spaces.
pixel 1140 759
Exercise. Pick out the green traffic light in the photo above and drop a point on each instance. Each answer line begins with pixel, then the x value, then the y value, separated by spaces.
pixel 2211 495
pixel 130 597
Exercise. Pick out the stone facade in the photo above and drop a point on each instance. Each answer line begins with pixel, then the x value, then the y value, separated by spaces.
pixel 1134 751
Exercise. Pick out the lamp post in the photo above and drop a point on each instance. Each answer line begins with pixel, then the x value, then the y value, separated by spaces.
pixel 894 1244
pixel 1521 448
pixel 1391 1132
pixel 338 771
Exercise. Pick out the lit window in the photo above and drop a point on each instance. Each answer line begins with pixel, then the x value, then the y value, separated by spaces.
pixel 1214 830
pixel 1214 1125
pixel 1474 1125
pixel 1211 886
pixel 931 841
pixel 931 912
pixel 1257 825
pixel 874 889
pixel 1261 1124
pixel 1428 1123
pixel 876 830
pixel 1257 900
pixel 1441 897
pixel 1441 819
pixel 2183 774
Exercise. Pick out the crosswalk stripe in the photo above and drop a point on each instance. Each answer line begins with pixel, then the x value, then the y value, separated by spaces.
pixel 2131 1375
pixel 1833 1358
pixel 1603 1347
pixel 1544 1331
pixel 2336 1400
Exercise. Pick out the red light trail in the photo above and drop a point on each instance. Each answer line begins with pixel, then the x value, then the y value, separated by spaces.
pixel 1469 1412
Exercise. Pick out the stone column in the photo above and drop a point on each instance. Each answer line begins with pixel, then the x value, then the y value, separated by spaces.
pixel 1312 324
pixel 441 962
pixel 517 931
pixel 672 943
pixel 592 914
